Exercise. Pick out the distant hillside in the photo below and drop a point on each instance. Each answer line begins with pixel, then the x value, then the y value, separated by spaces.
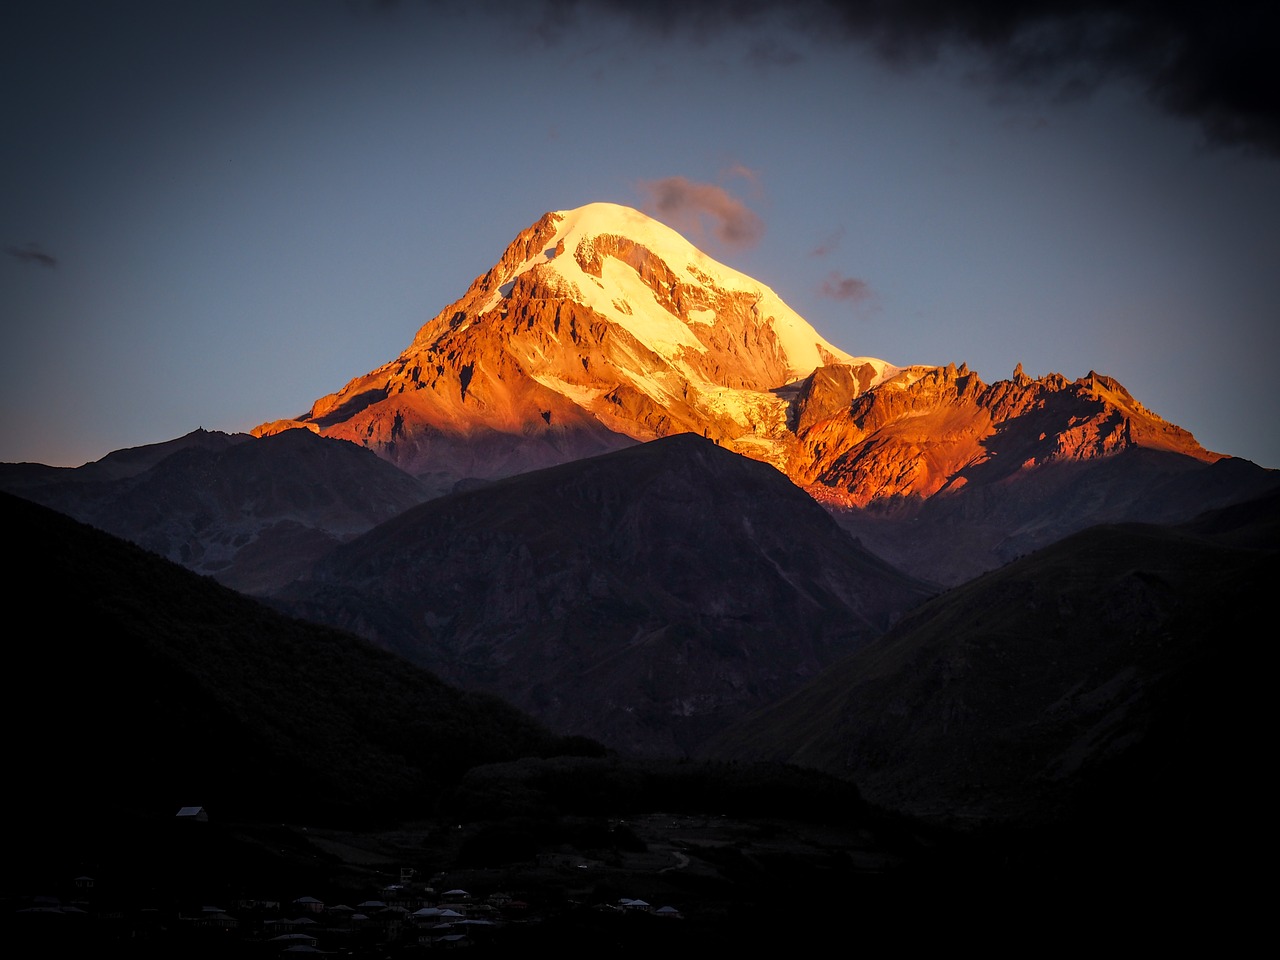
pixel 133 684
pixel 253 513
pixel 1111 676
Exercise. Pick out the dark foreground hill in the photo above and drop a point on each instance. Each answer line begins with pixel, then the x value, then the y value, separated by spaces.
pixel 134 684
pixel 1107 686
pixel 136 687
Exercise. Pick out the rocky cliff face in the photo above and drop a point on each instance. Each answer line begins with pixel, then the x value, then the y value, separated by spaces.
pixel 947 476
pixel 925 433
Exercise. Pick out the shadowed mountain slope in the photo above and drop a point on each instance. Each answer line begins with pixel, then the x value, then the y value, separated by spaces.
pixel 1105 676
pixel 644 597
pixel 956 535
pixel 137 685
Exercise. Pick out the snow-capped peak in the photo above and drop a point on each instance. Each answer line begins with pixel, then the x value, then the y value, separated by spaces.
pixel 650 280
pixel 595 324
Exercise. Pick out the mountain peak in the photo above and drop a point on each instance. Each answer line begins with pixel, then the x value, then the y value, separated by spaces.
pixel 622 264
pixel 597 327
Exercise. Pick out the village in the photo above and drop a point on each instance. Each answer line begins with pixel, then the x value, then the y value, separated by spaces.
pixel 404 918
pixel 88 914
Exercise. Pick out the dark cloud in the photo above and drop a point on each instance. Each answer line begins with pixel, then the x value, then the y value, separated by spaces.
pixel 32 254
pixel 686 206
pixel 839 287
pixel 1214 64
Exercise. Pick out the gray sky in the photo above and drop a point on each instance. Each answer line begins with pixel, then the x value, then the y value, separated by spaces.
pixel 215 213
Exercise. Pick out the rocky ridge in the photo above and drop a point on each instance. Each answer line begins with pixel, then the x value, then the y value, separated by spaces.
pixel 921 434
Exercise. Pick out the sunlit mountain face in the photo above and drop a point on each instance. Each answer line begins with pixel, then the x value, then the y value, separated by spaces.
pixel 598 327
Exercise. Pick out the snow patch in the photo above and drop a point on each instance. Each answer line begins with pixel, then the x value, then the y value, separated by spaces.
pixel 583 396
pixel 705 316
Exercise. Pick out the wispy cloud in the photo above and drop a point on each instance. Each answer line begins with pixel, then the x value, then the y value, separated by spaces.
pixel 828 243
pixel 839 287
pixel 744 172
pixel 32 254
pixel 688 206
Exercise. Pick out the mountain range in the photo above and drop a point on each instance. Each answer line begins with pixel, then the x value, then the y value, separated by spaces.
pixel 599 327
pixel 627 488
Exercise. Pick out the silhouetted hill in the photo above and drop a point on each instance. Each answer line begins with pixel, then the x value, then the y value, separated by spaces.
pixel 978 525
pixel 1108 679
pixel 644 597
pixel 253 513
pixel 134 684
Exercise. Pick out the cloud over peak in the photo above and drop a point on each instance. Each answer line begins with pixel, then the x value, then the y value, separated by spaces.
pixel 839 287
pixel 689 207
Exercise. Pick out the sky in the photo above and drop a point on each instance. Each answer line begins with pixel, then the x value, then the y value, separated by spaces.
pixel 215 213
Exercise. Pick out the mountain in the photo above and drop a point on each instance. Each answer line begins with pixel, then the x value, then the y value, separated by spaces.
pixel 644 597
pixel 1101 680
pixel 947 476
pixel 252 513
pixel 599 327
pixel 920 435
pixel 138 686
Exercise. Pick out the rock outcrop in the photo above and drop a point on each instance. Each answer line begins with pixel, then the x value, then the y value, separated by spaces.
pixel 925 433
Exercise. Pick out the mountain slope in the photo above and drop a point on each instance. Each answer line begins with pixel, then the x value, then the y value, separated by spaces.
pixel 917 436
pixel 1102 673
pixel 141 686
pixel 947 476
pixel 253 513
pixel 644 597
